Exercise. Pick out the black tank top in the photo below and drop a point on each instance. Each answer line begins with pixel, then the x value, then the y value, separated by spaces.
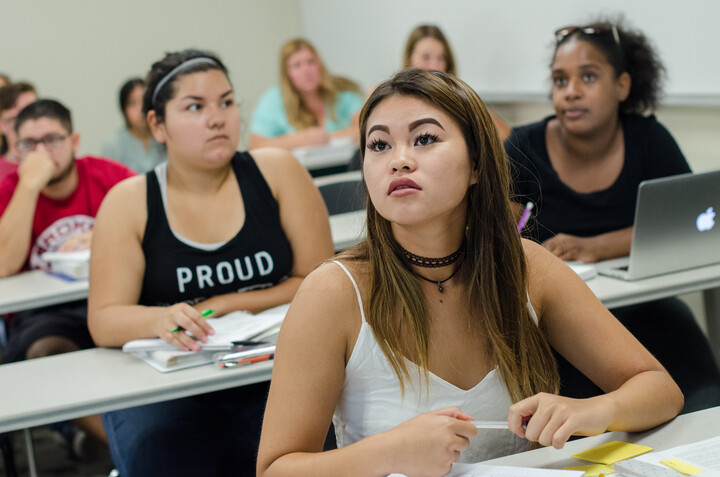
pixel 259 256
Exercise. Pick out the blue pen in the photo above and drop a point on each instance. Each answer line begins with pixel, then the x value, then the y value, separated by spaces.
pixel 525 216
pixel 61 276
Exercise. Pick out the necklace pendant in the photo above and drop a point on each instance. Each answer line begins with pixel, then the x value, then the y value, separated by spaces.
pixel 440 288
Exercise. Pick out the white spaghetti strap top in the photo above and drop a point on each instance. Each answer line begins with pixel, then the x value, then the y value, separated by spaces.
pixel 371 401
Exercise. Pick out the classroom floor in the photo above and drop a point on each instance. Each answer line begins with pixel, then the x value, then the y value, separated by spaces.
pixel 52 457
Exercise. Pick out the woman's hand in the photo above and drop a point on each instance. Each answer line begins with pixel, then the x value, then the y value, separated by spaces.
pixel 178 318
pixel 77 243
pixel 571 247
pixel 315 136
pixel 428 444
pixel 218 304
pixel 551 420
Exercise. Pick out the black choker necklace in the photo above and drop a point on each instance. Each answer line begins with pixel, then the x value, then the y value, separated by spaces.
pixel 429 262
pixel 438 282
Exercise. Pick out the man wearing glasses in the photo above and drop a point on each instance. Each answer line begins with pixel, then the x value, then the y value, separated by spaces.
pixel 49 204
pixel 13 98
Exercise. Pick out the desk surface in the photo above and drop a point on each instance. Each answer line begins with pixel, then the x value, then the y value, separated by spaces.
pixel 683 429
pixel 347 229
pixel 614 292
pixel 87 382
pixel 36 289
pixel 338 152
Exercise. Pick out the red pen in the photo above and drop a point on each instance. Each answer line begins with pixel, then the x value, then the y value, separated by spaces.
pixel 242 362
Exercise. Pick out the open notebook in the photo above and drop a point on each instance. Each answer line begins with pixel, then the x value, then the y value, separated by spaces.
pixel 236 326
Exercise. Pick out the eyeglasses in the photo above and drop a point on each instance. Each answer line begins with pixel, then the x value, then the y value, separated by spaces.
pixel 50 141
pixel 563 33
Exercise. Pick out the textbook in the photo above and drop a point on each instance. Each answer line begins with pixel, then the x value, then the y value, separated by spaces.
pixel 235 326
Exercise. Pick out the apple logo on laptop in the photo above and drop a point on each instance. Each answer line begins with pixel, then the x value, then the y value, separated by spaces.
pixel 706 220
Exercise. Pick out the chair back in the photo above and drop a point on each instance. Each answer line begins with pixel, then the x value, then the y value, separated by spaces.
pixel 344 192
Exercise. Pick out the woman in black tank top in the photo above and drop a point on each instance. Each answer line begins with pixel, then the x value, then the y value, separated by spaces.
pixel 211 229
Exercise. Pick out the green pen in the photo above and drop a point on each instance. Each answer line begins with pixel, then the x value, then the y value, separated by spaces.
pixel 204 314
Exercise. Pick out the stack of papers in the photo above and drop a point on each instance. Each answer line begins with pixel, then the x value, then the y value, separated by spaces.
pixel 701 458
pixel 586 271
pixel 236 326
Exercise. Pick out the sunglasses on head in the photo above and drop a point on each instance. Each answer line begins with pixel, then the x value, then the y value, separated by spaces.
pixel 563 33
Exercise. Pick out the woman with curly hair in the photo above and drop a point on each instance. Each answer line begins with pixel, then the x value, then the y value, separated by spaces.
pixel 309 107
pixel 582 167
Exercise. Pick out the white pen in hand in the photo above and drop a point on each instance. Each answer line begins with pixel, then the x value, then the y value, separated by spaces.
pixel 491 424
pixel 494 424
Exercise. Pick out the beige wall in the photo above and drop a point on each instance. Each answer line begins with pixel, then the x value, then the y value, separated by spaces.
pixel 81 51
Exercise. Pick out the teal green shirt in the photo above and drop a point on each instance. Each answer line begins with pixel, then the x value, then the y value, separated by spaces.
pixel 270 120
pixel 126 148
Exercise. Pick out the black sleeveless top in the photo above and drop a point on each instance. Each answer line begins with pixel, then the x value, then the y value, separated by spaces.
pixel 259 256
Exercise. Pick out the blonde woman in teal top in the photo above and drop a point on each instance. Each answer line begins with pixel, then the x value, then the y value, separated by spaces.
pixel 309 107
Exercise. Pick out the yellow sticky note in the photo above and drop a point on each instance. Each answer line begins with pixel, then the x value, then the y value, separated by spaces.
pixel 683 467
pixel 593 470
pixel 612 452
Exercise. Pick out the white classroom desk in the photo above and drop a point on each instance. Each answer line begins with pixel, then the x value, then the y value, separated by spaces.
pixel 683 429
pixel 36 289
pixel 338 152
pixel 81 383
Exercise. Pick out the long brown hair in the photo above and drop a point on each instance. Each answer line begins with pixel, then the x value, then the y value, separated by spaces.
pixel 429 31
pixel 494 257
pixel 299 115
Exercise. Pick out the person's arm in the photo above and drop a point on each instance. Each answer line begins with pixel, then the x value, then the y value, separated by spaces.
pixel 315 341
pixel 315 136
pixel 304 220
pixel 640 394
pixel 117 267
pixel 591 249
pixel 34 173
pixel 352 131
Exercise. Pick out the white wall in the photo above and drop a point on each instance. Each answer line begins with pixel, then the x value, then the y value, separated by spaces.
pixel 81 51
pixel 505 46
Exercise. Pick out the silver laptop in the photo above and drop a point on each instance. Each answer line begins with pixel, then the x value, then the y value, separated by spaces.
pixel 675 227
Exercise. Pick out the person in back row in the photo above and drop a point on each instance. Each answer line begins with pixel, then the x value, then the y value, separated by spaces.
pixel 4 81
pixel 582 167
pixel 50 204
pixel 134 145
pixel 212 228
pixel 309 107
pixel 427 48
pixel 13 98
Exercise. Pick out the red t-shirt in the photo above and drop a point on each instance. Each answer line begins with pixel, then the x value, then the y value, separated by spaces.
pixel 6 167
pixel 57 220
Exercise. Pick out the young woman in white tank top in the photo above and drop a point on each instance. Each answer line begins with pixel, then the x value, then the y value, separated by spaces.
pixel 403 350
